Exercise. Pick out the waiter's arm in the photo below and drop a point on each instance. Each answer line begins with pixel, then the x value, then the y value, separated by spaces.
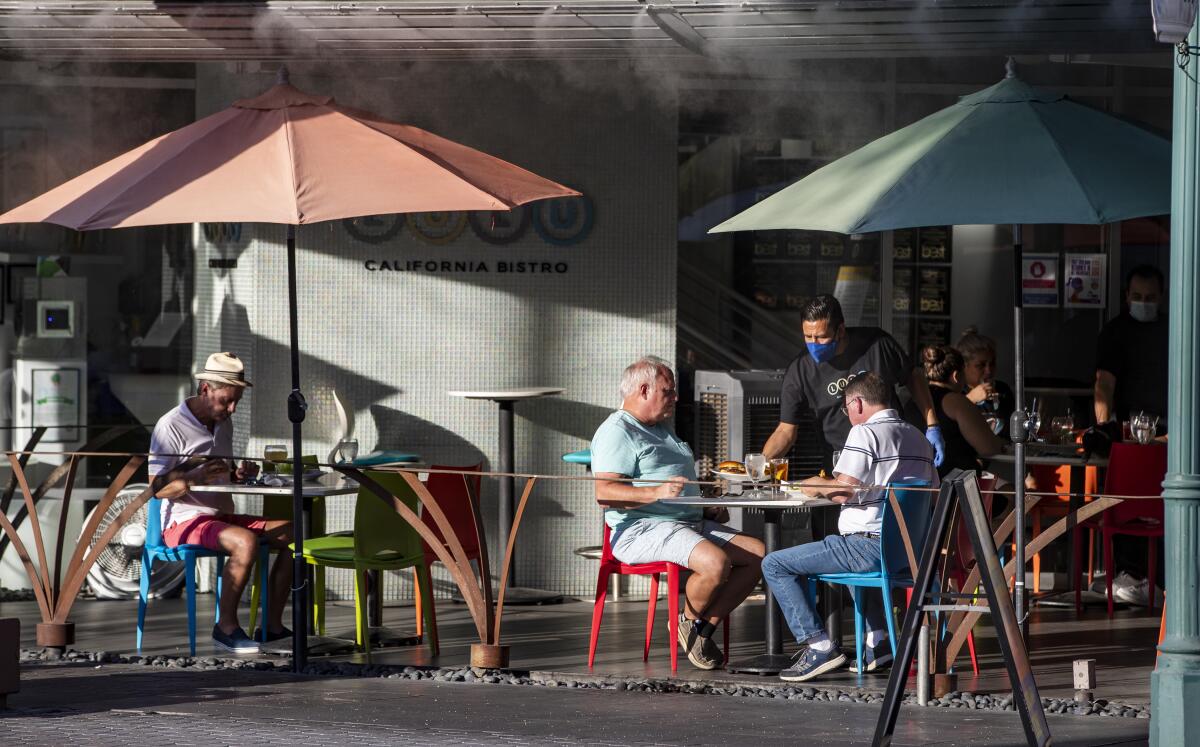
pixel 918 387
pixel 1104 393
pixel 780 442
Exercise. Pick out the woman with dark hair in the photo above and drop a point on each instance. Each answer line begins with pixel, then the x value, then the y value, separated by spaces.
pixel 979 377
pixel 968 435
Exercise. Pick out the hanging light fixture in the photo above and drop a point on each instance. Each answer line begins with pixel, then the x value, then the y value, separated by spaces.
pixel 1173 19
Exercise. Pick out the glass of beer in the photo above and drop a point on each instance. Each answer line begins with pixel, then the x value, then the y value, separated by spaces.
pixel 273 455
pixel 779 470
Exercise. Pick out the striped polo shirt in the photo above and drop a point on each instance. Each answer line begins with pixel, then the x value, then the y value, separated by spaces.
pixel 884 449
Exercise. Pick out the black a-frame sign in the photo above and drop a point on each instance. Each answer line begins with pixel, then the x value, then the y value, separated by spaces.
pixel 961 486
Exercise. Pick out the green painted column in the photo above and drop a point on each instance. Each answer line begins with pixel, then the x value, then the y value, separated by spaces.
pixel 1175 684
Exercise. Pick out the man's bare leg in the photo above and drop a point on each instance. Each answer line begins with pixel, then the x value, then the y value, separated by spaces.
pixel 242 546
pixel 279 535
pixel 744 557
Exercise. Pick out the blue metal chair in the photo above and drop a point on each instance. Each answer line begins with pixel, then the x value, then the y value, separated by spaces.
pixel 894 572
pixel 154 549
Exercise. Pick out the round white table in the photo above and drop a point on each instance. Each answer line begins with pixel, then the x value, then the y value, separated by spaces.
pixel 506 399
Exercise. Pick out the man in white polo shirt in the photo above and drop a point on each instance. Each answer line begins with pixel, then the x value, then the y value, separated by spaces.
pixel 200 427
pixel 880 449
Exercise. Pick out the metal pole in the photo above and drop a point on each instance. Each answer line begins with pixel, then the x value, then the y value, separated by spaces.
pixel 1175 683
pixel 923 661
pixel 771 520
pixel 1017 431
pixel 296 408
pixel 505 509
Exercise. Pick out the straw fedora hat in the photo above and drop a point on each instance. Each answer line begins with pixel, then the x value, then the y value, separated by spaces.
pixel 224 368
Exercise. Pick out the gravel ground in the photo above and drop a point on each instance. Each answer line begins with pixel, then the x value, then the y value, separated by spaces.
pixel 469 675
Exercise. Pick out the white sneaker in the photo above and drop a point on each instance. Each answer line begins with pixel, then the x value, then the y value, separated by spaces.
pixel 1130 591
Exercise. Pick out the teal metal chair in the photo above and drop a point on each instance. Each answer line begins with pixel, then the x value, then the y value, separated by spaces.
pixel 154 549
pixel 583 456
pixel 894 571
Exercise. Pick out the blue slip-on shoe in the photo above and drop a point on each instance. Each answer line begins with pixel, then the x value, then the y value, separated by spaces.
pixel 875 658
pixel 237 641
pixel 811 663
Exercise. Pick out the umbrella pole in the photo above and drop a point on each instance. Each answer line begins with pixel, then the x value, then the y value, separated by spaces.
pixel 1017 429
pixel 296 408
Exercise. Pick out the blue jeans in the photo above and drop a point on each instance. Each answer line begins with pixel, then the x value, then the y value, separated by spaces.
pixel 787 572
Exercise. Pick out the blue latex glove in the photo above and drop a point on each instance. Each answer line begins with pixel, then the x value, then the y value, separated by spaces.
pixel 933 434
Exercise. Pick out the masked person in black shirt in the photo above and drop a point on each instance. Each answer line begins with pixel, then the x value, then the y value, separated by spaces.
pixel 1131 356
pixel 835 355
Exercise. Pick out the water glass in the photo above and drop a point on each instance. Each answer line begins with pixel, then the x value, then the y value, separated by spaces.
pixel 1062 429
pixel 756 471
pixel 347 450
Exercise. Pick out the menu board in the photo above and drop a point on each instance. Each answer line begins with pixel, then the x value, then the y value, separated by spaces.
pixel 921 259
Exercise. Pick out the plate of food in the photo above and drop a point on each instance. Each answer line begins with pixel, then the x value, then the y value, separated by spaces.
pixel 732 471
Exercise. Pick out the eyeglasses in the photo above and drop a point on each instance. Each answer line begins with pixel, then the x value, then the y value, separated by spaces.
pixel 846 405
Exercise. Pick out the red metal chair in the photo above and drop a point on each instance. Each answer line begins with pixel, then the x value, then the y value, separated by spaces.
pixel 609 566
pixel 1133 469
pixel 451 493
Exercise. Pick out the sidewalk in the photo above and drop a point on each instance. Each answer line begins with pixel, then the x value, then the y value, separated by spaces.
pixel 121 705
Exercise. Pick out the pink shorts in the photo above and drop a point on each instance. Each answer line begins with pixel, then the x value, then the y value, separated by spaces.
pixel 204 530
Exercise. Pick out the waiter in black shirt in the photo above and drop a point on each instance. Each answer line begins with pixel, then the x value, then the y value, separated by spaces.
pixel 835 355
pixel 1131 357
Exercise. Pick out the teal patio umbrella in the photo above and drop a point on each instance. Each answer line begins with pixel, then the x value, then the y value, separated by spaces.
pixel 1010 153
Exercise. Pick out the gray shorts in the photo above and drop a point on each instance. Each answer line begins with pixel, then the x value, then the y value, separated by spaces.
pixel 655 541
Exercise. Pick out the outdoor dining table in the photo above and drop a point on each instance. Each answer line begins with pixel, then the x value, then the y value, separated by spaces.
pixel 505 399
pixel 773 661
pixel 1060 455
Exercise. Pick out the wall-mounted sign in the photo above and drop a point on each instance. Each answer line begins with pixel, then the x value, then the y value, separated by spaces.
pixel 1084 281
pixel 500 227
pixel 374 229
pixel 1039 279
pixel 437 227
pixel 564 221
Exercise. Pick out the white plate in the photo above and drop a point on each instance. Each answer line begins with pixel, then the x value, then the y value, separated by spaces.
pixel 733 476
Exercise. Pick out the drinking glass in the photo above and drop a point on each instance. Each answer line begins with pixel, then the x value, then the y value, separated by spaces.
pixel 347 450
pixel 1062 429
pixel 274 455
pixel 779 470
pixel 756 471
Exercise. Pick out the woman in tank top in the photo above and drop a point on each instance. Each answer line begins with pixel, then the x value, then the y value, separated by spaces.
pixel 968 436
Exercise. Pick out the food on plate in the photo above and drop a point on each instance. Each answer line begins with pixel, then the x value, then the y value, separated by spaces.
pixel 731 467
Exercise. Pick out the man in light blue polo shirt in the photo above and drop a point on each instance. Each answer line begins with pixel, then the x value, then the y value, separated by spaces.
pixel 635 443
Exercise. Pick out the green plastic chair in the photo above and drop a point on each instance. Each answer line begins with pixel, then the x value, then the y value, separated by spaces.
pixel 382 541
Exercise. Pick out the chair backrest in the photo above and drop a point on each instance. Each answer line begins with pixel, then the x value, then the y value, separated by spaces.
pixel 1135 469
pixel 453 495
pixel 606 553
pixel 154 523
pixel 964 554
pixel 379 532
pixel 916 506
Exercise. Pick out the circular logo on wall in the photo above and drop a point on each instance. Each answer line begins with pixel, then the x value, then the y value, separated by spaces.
pixel 374 229
pixel 438 227
pixel 565 220
pixel 500 226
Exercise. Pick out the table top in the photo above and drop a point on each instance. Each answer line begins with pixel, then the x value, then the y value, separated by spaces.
pixel 332 483
pixel 741 501
pixel 516 393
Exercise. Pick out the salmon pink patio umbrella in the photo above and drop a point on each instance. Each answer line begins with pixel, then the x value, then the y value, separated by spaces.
pixel 286 157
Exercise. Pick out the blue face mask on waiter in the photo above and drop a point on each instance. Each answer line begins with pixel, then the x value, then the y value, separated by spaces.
pixel 822 351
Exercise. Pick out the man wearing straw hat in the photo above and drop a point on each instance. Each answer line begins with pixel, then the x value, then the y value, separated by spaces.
pixel 636 442
pixel 200 427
